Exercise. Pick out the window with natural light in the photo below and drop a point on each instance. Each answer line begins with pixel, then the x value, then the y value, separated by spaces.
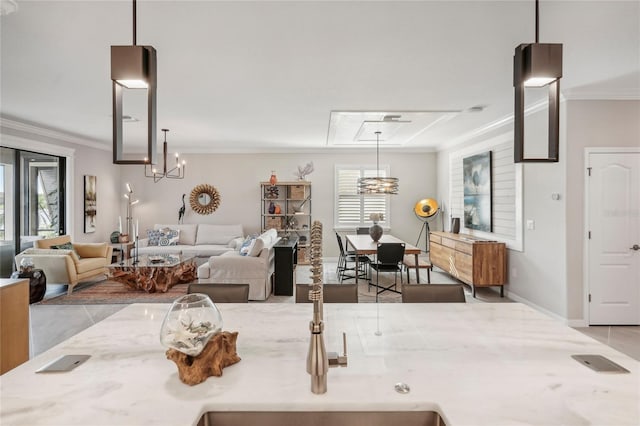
pixel 353 209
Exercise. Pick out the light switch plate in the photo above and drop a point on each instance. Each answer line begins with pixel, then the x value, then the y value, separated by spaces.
pixel 531 224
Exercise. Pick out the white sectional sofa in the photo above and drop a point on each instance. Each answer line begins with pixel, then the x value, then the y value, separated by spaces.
pixel 199 240
pixel 255 269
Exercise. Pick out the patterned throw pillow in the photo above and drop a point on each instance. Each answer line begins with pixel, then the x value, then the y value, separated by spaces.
pixel 154 237
pixel 246 245
pixel 65 246
pixel 169 237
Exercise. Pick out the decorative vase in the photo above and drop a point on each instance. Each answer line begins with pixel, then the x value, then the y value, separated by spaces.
pixel 375 231
pixel 455 225
pixel 26 265
pixel 115 235
pixel 273 179
pixel 272 208
pixel 192 320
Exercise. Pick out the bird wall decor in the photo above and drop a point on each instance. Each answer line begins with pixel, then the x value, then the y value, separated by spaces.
pixel 182 210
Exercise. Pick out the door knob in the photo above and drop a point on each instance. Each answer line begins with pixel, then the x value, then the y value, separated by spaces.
pixel 635 247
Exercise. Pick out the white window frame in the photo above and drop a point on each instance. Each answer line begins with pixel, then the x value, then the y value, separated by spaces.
pixel 370 170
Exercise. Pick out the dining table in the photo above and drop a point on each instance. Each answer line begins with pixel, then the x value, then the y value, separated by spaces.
pixel 363 245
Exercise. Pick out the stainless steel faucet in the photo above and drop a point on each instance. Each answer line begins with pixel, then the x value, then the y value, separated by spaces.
pixel 317 359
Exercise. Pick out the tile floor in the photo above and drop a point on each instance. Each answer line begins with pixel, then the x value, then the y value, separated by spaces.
pixel 52 324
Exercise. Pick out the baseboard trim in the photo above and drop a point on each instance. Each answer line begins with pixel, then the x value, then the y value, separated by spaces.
pixel 577 323
pixel 538 308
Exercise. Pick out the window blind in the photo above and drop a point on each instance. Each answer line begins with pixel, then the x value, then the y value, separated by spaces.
pixel 353 209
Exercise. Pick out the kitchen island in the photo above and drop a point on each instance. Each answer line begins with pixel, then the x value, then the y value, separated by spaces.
pixel 475 364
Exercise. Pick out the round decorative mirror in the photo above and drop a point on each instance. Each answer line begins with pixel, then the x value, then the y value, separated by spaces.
pixel 204 199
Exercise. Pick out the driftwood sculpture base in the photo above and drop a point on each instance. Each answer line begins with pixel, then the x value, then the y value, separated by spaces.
pixel 154 278
pixel 219 353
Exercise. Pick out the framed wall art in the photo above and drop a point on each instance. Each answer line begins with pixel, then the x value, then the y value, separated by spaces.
pixel 90 205
pixel 477 191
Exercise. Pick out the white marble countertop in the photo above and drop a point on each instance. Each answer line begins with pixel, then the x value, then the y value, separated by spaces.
pixel 476 364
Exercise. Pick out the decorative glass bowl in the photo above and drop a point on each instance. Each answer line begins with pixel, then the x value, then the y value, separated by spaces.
pixel 26 265
pixel 191 322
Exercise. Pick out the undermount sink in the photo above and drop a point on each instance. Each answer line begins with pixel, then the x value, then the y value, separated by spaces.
pixel 321 418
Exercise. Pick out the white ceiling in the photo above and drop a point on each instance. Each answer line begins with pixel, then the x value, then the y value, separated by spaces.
pixel 243 76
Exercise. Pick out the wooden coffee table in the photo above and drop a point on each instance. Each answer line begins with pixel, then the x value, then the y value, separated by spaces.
pixel 154 273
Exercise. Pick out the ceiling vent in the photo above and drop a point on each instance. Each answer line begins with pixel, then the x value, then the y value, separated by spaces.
pixel 398 128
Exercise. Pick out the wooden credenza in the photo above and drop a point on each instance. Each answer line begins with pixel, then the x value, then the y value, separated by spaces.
pixel 477 262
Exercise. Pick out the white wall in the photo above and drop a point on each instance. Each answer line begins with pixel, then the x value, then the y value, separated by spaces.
pixel 548 273
pixel 237 178
pixel 537 271
pixel 590 124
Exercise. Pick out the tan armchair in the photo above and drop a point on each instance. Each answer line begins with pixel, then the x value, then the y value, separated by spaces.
pixel 61 266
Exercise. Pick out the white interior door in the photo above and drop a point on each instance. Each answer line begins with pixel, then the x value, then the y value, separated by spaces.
pixel 614 223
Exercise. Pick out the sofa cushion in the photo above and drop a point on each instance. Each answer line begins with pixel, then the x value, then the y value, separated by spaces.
pixel 206 250
pixel 91 249
pixel 89 264
pixel 236 243
pixel 187 232
pixel 218 234
pixel 48 242
pixel 159 250
pixel 67 246
pixel 256 247
pixel 269 237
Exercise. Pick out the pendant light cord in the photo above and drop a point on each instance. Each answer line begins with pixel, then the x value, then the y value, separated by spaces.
pixel 134 22
pixel 378 155
pixel 537 21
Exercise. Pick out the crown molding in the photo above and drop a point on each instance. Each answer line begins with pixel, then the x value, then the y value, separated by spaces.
pixel 16 142
pixel 492 126
pixel 609 95
pixel 57 135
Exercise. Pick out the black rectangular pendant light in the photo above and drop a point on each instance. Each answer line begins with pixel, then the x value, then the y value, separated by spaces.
pixel 133 67
pixel 537 65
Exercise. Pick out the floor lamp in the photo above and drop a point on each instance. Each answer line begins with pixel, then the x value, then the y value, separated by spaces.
pixel 425 210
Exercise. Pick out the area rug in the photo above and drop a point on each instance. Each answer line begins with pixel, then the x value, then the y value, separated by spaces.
pixel 114 293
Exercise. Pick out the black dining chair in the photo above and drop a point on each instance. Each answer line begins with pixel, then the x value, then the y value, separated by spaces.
pixel 362 230
pixel 222 293
pixel 331 293
pixel 433 293
pixel 345 259
pixel 389 258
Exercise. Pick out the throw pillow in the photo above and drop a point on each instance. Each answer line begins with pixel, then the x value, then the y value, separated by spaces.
pixel 169 237
pixel 246 245
pixel 65 246
pixel 256 248
pixel 154 236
